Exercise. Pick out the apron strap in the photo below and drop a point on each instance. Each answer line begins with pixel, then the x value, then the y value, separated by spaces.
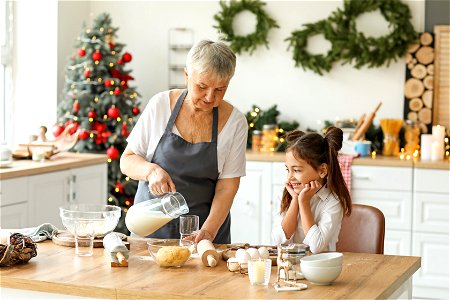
pixel 175 111
pixel 215 125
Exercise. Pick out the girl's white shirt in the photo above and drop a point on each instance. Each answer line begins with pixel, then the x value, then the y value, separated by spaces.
pixel 322 236
pixel 231 141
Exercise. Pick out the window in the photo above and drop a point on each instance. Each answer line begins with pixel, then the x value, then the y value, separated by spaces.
pixel 6 30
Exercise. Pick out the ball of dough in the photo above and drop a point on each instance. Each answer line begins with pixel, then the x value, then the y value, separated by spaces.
pixel 172 256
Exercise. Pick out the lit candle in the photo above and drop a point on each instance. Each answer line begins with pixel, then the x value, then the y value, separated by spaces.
pixel 437 151
pixel 425 146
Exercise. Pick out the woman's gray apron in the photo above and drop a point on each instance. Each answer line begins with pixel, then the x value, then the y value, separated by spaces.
pixel 193 169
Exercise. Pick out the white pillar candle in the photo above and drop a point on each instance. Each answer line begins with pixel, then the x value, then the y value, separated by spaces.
pixel 437 151
pixel 438 132
pixel 425 146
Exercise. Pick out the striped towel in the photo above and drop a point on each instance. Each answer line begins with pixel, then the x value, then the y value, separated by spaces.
pixel 345 162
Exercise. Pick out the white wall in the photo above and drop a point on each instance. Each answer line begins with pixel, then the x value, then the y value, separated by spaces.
pixel 265 78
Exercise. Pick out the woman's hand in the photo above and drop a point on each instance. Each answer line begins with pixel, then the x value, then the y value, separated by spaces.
pixel 309 190
pixel 159 181
pixel 203 234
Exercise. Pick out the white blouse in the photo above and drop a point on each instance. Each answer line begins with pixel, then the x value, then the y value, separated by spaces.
pixel 322 236
pixel 231 141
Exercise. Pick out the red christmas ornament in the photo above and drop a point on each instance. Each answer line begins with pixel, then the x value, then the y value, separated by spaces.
pixel 98 127
pixel 97 55
pixel 73 126
pixel 112 153
pixel 81 52
pixel 117 92
pixel 111 45
pixel 126 57
pixel 136 110
pixel 76 106
pixel 113 112
pixel 108 83
pixel 92 114
pixel 83 135
pixel 120 62
pixel 124 130
pixel 102 137
pixel 57 129
pixel 87 73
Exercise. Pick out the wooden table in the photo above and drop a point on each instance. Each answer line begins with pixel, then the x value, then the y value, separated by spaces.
pixel 57 270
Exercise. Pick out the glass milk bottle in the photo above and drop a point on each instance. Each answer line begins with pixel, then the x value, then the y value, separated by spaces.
pixel 146 217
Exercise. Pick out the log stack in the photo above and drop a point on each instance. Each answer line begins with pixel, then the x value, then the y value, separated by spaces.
pixel 418 89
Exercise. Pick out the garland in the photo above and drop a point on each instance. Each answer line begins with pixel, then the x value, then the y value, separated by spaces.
pixel 352 46
pixel 251 41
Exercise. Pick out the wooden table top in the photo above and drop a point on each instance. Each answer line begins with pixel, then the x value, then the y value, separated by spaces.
pixel 58 162
pixel 57 270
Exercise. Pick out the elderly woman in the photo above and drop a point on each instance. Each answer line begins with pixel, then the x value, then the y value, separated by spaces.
pixel 193 142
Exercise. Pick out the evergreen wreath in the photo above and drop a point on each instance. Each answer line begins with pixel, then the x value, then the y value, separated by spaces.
pixel 352 46
pixel 251 41
pixel 315 62
pixel 370 51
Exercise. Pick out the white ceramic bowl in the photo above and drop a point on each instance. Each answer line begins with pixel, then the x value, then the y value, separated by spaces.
pixel 103 218
pixel 330 259
pixel 321 275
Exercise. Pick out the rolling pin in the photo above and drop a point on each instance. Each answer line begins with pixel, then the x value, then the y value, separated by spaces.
pixel 359 134
pixel 208 253
pixel 116 249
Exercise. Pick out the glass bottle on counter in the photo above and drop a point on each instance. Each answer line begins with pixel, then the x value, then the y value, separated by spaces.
pixel 412 133
pixel 257 140
pixel 269 137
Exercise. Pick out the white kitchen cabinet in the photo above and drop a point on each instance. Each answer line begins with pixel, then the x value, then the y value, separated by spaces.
pixel 390 190
pixel 29 201
pixel 250 213
pixel 430 233
pixel 13 203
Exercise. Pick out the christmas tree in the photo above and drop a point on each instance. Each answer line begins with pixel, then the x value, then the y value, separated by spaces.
pixel 100 105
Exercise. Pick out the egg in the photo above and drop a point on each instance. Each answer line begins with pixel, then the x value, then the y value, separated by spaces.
pixel 254 254
pixel 242 256
pixel 233 264
pixel 263 252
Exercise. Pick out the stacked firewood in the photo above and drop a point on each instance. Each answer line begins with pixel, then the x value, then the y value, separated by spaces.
pixel 20 250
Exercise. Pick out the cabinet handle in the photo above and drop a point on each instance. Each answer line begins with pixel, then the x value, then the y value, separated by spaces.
pixel 74 193
pixel 362 177
pixel 69 184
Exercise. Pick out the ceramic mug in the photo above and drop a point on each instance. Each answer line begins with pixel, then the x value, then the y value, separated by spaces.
pixel 5 153
pixel 363 148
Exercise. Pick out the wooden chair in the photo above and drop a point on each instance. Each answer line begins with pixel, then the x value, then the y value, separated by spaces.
pixel 362 231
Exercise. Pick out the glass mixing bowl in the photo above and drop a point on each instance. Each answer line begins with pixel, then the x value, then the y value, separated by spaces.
pixel 104 218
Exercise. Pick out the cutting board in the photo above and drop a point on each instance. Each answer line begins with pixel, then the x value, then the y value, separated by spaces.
pixel 64 238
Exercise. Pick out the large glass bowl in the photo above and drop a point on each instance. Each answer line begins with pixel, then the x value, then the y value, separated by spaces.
pixel 170 252
pixel 103 218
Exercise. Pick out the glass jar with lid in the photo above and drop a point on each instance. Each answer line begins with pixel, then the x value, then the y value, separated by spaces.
pixel 257 140
pixel 269 137
pixel 293 253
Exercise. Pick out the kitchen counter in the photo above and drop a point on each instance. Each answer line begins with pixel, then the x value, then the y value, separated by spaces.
pixel 57 270
pixel 380 161
pixel 58 162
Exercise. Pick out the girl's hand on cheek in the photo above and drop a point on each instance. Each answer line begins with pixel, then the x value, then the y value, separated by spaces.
pixel 309 190
pixel 290 189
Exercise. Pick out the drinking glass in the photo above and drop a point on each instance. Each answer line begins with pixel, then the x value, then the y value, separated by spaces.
pixel 189 225
pixel 84 237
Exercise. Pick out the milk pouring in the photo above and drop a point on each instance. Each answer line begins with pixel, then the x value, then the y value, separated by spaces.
pixel 146 217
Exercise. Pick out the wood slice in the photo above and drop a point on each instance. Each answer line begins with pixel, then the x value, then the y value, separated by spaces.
pixel 415 104
pixel 426 38
pixel 419 71
pixel 414 61
pixel 425 55
pixel 423 127
pixel 64 238
pixel 412 115
pixel 408 57
pixel 410 66
pixel 430 69
pixel 413 88
pixel 427 98
pixel 428 82
pixel 413 47
pixel 425 115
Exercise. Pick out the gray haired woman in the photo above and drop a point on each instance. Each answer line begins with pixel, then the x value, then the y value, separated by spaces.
pixel 193 142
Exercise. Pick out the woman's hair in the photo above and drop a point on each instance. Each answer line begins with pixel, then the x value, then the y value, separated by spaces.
pixel 316 150
pixel 214 57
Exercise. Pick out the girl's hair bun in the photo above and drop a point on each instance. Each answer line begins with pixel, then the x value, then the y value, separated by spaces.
pixel 334 137
pixel 293 136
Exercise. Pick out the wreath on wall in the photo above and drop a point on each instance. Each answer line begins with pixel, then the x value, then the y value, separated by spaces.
pixel 251 41
pixel 352 46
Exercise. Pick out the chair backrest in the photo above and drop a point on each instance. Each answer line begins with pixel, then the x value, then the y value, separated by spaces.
pixel 362 231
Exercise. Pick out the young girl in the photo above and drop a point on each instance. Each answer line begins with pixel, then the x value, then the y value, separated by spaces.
pixel 315 197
